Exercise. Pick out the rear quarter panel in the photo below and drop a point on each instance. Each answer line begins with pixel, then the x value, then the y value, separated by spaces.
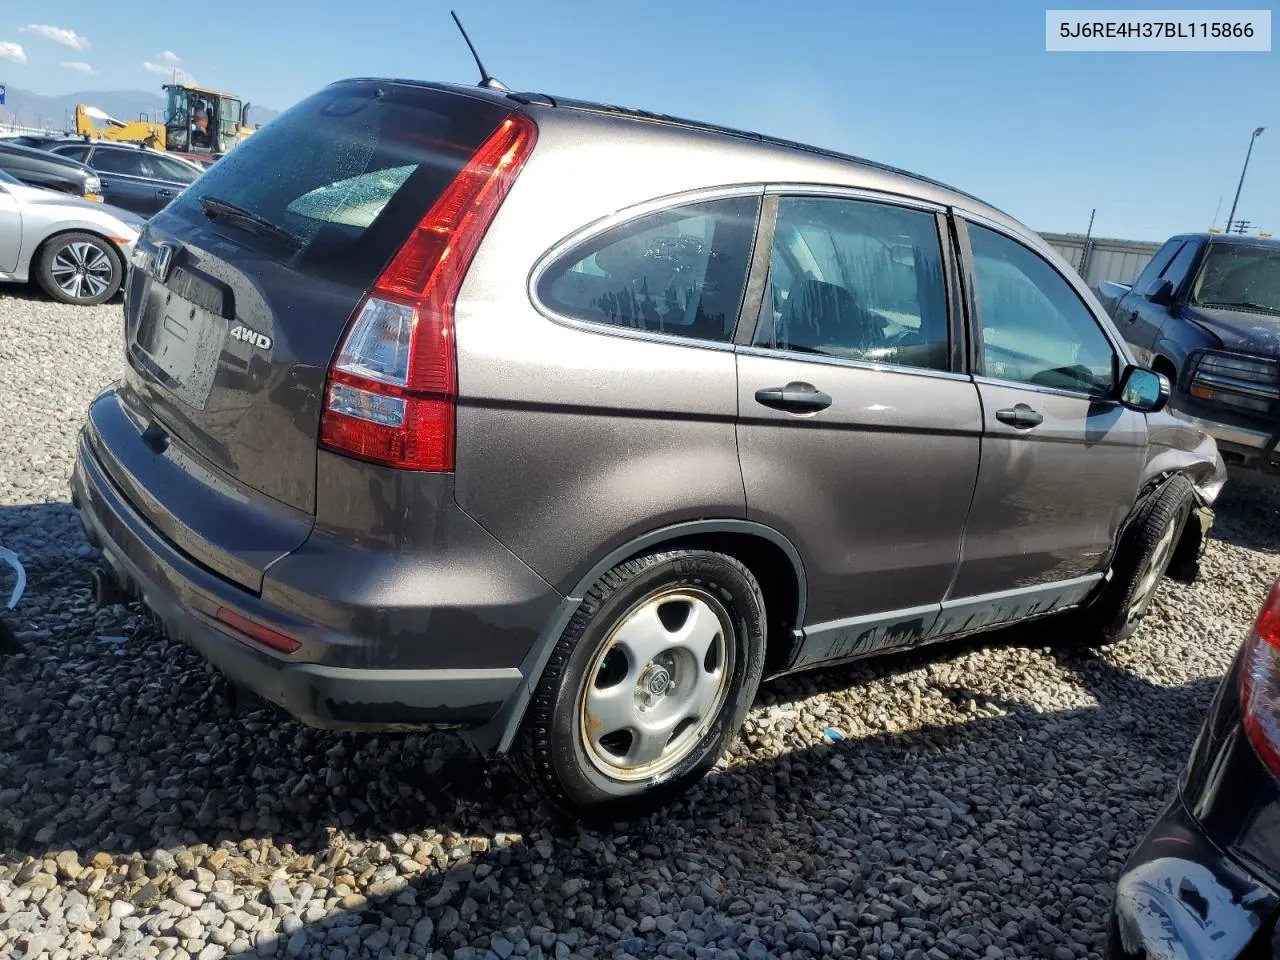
pixel 572 441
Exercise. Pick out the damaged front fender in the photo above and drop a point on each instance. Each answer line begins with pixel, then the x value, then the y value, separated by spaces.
pixel 1176 446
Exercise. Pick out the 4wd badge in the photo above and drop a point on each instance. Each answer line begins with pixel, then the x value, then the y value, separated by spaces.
pixel 259 340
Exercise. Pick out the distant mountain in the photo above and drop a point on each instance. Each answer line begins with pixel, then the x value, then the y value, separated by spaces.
pixel 29 109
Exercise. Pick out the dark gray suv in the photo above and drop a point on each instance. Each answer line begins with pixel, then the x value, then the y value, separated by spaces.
pixel 566 425
pixel 133 177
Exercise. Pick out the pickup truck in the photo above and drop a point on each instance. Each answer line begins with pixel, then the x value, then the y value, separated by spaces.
pixel 1205 312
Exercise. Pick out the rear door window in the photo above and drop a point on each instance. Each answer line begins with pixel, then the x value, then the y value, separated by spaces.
pixel 856 280
pixel 346 173
pixel 166 168
pixel 130 163
pixel 679 272
pixel 75 153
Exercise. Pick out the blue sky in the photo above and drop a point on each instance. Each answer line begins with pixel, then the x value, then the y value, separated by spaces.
pixel 963 92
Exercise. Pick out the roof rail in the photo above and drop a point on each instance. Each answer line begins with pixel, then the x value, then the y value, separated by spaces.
pixel 638 114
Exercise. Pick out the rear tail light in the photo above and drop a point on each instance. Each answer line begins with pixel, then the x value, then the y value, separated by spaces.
pixel 393 387
pixel 1260 683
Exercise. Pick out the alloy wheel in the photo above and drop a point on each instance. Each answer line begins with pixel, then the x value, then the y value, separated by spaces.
pixel 82 270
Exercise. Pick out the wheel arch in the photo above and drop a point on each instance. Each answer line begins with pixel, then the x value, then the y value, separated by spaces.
pixel 1194 536
pixel 772 558
pixel 91 229
pixel 1161 363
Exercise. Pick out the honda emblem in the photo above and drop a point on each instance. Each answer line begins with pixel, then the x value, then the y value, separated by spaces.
pixel 160 263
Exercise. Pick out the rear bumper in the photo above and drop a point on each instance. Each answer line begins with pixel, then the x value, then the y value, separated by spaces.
pixel 1203 883
pixel 1181 897
pixel 185 597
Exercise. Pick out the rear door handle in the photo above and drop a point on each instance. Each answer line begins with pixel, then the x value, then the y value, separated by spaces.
pixel 1020 416
pixel 165 192
pixel 1133 316
pixel 795 397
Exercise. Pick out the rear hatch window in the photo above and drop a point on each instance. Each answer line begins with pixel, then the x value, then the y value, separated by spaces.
pixel 347 173
pixel 266 256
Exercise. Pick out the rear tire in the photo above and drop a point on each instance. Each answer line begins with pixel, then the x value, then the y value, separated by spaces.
pixel 647 686
pixel 80 268
pixel 1140 563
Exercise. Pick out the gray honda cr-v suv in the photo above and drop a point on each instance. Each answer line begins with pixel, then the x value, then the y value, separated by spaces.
pixel 566 425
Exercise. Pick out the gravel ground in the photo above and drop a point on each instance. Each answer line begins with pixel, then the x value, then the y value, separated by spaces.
pixel 973 801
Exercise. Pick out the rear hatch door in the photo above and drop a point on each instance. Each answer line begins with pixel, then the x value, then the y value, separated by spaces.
pixel 242 288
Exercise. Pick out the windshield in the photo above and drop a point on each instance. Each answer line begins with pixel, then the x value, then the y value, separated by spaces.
pixel 1240 277
pixel 177 119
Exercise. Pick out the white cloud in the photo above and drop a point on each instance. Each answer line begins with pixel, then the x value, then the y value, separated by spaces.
pixel 68 38
pixel 165 63
pixel 79 66
pixel 12 51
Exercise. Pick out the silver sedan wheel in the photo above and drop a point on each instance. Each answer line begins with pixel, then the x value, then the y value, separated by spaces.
pixel 657 683
pixel 82 270
pixel 1154 568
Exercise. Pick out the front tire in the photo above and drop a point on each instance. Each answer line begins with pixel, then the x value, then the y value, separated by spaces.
pixel 1140 563
pixel 647 686
pixel 80 268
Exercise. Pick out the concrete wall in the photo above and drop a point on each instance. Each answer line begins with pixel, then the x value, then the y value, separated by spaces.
pixel 1098 258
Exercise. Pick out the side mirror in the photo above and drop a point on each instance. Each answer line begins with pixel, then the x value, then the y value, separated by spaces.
pixel 1160 292
pixel 1144 390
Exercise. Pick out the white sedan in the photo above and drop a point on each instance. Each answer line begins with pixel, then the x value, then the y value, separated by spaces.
pixel 76 250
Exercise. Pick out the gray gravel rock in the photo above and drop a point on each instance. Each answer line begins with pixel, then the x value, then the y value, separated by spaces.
pixel 970 800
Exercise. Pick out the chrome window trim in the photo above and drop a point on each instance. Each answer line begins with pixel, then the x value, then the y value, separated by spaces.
pixel 870 365
pixel 853 193
pixel 586 233
pixel 1051 391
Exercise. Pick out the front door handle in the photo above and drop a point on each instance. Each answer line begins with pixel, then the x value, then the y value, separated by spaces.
pixel 1020 416
pixel 795 397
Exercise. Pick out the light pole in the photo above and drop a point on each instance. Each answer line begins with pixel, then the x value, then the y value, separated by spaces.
pixel 1232 215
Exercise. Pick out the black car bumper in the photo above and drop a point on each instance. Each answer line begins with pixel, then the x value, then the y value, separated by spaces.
pixel 1205 882
pixel 185 598
pixel 1182 897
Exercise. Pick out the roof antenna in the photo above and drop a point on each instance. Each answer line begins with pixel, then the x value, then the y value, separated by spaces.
pixel 486 79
